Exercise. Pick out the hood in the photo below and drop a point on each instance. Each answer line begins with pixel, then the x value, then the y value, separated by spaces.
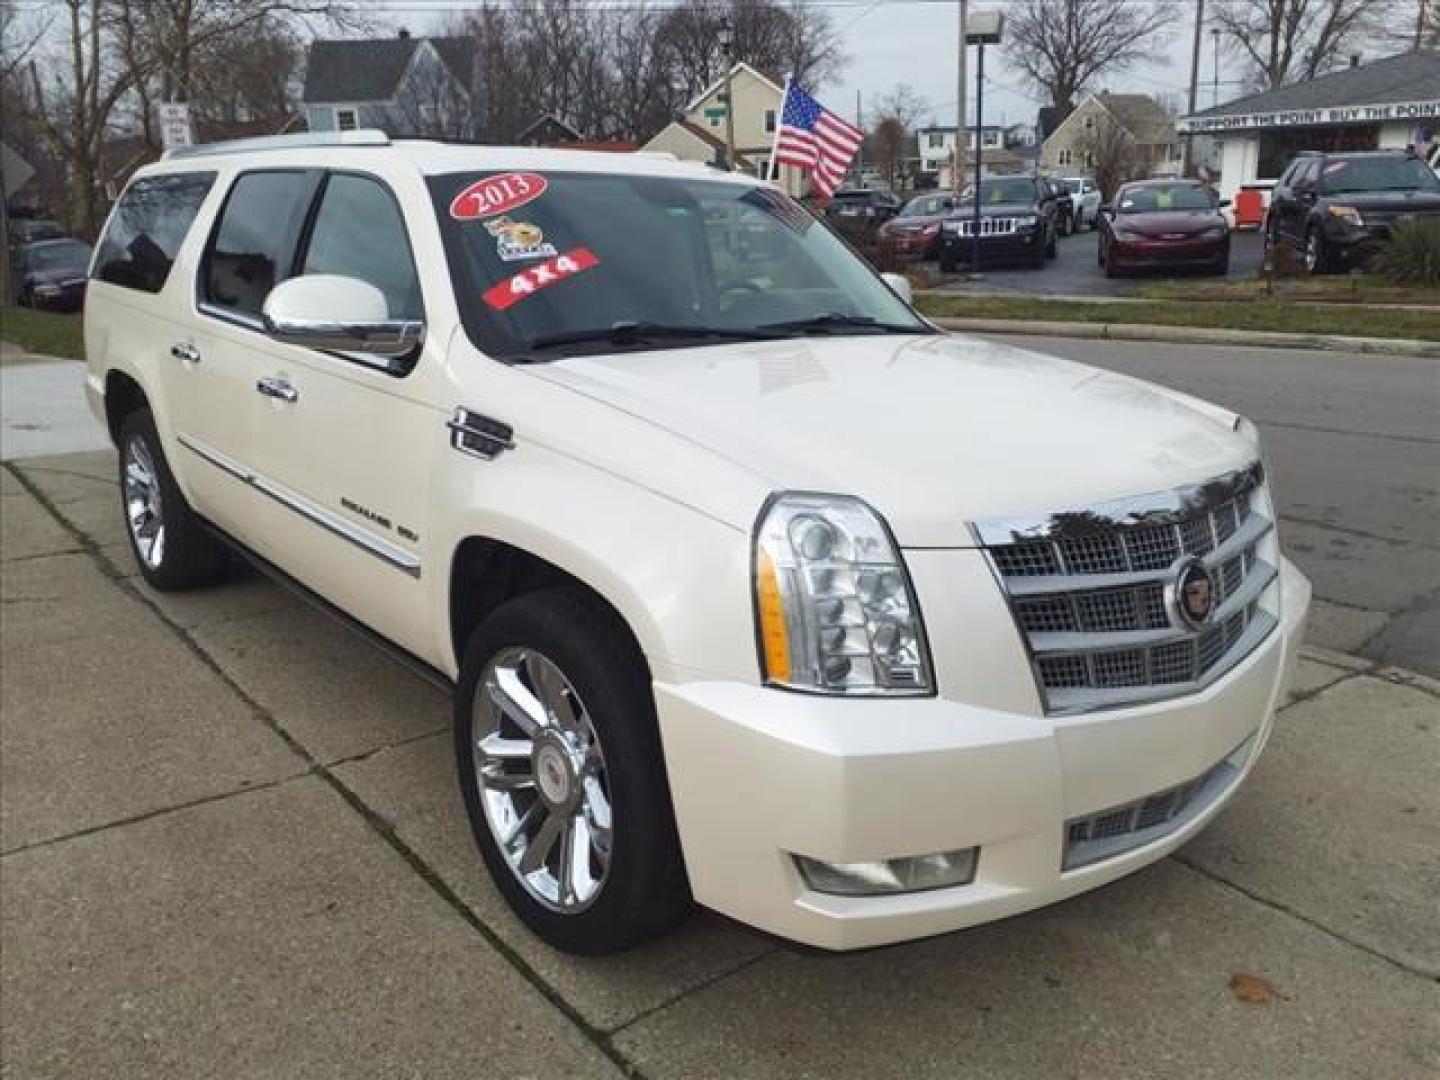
pixel 932 431
pixel 1388 202
pixel 1170 222
pixel 1014 209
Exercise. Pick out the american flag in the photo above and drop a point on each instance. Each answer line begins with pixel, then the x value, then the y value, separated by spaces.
pixel 813 138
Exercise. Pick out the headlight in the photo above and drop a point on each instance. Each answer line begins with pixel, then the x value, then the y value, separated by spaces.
pixel 1215 232
pixel 951 226
pixel 833 604
pixel 1349 215
pixel 930 230
pixel 1027 221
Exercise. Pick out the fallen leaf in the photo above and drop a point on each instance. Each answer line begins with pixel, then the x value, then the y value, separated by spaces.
pixel 1252 988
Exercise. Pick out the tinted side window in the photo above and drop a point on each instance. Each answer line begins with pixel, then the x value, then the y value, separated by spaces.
pixel 359 233
pixel 253 246
pixel 148 227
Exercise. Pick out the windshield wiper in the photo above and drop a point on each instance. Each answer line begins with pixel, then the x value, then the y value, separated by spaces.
pixel 826 321
pixel 628 332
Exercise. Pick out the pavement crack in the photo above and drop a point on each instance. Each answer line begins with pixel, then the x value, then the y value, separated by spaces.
pixel 1299 697
pixel 1300 916
pixel 371 817
pixel 1388 436
pixel 703 984
pixel 1362 534
pixel 150 815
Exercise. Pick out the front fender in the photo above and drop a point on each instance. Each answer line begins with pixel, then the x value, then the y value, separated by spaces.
pixel 680 578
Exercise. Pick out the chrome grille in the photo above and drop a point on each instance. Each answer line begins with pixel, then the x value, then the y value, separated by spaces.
pixel 1119 829
pixel 1092 590
pixel 989 226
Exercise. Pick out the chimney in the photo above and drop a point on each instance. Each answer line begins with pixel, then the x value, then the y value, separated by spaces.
pixel 1354 60
pixel 404 34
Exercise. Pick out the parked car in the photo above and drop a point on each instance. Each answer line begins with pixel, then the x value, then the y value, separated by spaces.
pixel 1164 225
pixel 1333 210
pixel 1066 215
pixel 28 230
pixel 1085 196
pixel 749 585
pixel 1018 222
pixel 861 209
pixel 51 273
pixel 915 230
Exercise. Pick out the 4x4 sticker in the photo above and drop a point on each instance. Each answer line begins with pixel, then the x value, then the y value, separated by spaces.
pixel 541 276
pixel 498 194
pixel 519 240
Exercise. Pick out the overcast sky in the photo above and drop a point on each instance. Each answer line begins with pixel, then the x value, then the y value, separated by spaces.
pixel 915 43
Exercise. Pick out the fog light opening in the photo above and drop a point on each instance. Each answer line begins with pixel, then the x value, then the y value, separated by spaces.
pixel 888 877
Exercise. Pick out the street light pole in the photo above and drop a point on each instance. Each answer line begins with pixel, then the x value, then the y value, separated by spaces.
pixel 957 171
pixel 727 44
pixel 979 142
pixel 1215 86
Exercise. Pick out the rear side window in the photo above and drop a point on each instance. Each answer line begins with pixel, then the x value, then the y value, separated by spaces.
pixel 253 245
pixel 359 233
pixel 147 228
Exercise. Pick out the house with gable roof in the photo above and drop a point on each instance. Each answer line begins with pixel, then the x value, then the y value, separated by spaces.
pixel 411 87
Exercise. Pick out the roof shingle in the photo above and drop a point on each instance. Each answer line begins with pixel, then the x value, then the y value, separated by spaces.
pixel 370 69
pixel 1412 76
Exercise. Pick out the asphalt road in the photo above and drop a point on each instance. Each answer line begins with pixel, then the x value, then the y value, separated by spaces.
pixel 1075 272
pixel 1353 443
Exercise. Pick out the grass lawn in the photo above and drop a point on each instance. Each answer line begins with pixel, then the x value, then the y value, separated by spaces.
pixel 1331 290
pixel 1358 321
pixel 48 332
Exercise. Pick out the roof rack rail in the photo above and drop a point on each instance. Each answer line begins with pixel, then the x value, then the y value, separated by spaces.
pixel 299 140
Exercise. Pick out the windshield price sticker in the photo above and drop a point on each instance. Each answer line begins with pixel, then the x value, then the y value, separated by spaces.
pixel 496 195
pixel 541 276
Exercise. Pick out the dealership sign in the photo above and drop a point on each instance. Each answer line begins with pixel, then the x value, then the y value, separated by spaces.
pixel 1301 118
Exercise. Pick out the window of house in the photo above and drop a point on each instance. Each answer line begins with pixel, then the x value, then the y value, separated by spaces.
pixel 345 120
pixel 992 138
pixel 253 245
pixel 769 121
pixel 1065 157
pixel 1089 159
pixel 379 253
pixel 147 228
pixel 935 139
pixel 1089 123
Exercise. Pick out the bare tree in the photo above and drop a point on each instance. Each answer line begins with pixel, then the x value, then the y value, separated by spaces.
pixel 1063 46
pixel 1286 41
pixel 902 103
pixel 1108 150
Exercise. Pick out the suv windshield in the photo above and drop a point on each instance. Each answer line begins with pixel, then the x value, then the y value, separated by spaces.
pixel 1376 174
pixel 60 255
pixel 926 206
pixel 1007 189
pixel 1150 200
pixel 587 261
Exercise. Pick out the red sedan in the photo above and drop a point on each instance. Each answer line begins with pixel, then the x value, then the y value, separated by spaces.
pixel 1164 224
pixel 915 231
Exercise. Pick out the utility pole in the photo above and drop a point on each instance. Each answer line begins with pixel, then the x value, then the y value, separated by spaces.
pixel 727 45
pixel 957 173
pixel 1194 84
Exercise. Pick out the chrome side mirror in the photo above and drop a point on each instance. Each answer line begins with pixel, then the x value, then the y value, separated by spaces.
pixel 342 314
pixel 900 286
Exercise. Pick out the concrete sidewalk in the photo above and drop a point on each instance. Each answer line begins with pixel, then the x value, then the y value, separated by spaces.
pixel 232 846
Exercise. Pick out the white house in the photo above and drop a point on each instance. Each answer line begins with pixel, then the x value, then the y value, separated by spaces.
pixel 1386 104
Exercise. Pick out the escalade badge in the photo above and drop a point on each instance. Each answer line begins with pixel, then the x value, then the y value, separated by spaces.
pixel 1194 593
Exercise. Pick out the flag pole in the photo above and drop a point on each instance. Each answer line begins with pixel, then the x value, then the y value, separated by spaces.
pixel 779 120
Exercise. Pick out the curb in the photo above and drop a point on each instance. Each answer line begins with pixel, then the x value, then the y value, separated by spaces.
pixel 1193 335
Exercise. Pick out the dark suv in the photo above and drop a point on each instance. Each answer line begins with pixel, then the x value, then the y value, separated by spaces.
pixel 1334 209
pixel 1018 222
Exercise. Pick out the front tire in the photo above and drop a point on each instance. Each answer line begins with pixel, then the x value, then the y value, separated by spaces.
pixel 1316 255
pixel 563 776
pixel 172 548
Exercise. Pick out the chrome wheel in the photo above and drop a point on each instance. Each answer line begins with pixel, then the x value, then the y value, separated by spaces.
pixel 1312 252
pixel 540 771
pixel 143 508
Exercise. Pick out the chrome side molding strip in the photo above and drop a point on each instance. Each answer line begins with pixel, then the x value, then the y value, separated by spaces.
pixel 364 539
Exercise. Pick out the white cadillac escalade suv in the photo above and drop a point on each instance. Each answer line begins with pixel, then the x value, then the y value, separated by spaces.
pixel 752 587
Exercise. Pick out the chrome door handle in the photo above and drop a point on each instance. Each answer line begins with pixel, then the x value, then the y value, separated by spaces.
pixel 184 350
pixel 278 389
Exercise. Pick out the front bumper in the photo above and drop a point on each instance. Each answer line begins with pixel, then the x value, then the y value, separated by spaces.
pixel 759 775
pixel 994 248
pixel 1167 253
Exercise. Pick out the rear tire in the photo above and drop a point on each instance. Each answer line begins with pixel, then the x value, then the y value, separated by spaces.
pixel 171 546
pixel 593 774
